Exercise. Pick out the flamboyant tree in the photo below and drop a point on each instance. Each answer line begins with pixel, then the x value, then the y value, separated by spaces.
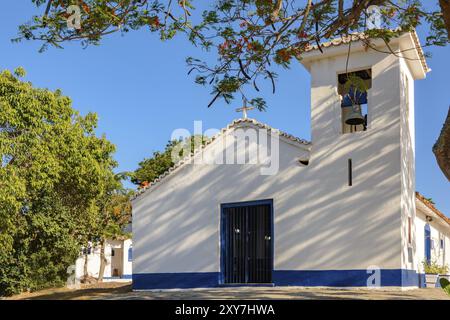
pixel 248 37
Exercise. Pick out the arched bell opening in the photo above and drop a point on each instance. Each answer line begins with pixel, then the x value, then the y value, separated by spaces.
pixel 353 90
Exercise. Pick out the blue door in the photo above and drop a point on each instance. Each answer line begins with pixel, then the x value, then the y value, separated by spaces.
pixel 427 243
pixel 247 245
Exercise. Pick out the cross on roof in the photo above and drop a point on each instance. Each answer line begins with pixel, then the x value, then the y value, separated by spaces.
pixel 244 109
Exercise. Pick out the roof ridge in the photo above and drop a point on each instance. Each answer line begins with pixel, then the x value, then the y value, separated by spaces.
pixel 357 36
pixel 432 207
pixel 191 155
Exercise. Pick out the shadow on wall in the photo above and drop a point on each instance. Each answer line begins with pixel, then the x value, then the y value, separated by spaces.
pixel 317 225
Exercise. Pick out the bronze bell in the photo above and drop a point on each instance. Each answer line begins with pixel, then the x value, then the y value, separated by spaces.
pixel 354 117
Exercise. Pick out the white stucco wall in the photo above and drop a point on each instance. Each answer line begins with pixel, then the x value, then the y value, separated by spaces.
pixel 176 224
pixel 407 145
pixel 369 211
pixel 321 223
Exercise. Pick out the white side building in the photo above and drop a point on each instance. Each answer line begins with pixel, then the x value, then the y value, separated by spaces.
pixel 118 254
pixel 433 234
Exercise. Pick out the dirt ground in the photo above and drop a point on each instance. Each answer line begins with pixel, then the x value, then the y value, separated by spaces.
pixel 122 291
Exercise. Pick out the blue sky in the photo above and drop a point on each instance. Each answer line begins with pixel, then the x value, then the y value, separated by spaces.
pixel 140 89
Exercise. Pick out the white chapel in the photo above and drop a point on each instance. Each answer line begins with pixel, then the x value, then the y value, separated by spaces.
pixel 339 210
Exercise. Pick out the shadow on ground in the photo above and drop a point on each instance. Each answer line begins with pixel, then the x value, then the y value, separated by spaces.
pixel 122 291
pixel 88 292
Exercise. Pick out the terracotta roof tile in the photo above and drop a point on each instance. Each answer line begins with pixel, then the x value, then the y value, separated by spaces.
pixel 432 207
pixel 359 36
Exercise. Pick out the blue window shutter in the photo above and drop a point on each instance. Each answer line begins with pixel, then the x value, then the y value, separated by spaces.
pixel 130 254
pixel 428 243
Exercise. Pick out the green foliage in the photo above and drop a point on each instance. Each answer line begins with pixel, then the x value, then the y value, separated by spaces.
pixel 20 72
pixel 248 37
pixel 430 200
pixel 53 171
pixel 151 168
pixel 115 211
pixel 434 268
pixel 353 81
pixel 445 285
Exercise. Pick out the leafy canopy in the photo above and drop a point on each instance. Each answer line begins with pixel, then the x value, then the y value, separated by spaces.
pixel 53 169
pixel 151 168
pixel 115 210
pixel 248 37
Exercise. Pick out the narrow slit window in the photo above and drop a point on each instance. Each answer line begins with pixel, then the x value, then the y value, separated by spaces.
pixel 409 230
pixel 350 173
pixel 353 88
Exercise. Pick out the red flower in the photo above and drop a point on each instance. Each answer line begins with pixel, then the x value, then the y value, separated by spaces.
pixel 302 34
pixel 154 21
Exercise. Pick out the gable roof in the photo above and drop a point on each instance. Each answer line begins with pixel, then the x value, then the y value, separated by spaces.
pixel 431 206
pixel 238 123
pixel 360 36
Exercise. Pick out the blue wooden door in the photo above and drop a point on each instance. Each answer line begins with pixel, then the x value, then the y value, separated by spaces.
pixel 247 245
pixel 427 243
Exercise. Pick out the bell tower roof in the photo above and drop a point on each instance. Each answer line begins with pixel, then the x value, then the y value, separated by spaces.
pixel 407 46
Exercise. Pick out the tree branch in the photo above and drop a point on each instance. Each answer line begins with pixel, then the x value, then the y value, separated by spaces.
pixel 47 9
pixel 277 9
pixel 445 8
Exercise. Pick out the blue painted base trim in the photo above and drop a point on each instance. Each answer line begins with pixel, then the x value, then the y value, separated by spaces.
pixel 344 278
pixel 422 280
pixel 145 281
pixel 304 278
pixel 410 278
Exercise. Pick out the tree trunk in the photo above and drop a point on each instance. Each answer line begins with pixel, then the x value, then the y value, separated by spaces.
pixel 441 148
pixel 102 261
pixel 445 8
pixel 85 267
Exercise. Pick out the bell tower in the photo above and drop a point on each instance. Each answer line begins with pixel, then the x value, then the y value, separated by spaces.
pixel 362 156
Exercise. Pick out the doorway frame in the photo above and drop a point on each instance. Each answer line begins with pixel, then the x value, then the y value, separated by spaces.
pixel 223 206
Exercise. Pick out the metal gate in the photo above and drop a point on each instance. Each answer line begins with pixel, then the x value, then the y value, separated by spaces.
pixel 247 245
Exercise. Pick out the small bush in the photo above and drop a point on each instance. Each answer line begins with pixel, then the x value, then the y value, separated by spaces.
pixel 434 268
